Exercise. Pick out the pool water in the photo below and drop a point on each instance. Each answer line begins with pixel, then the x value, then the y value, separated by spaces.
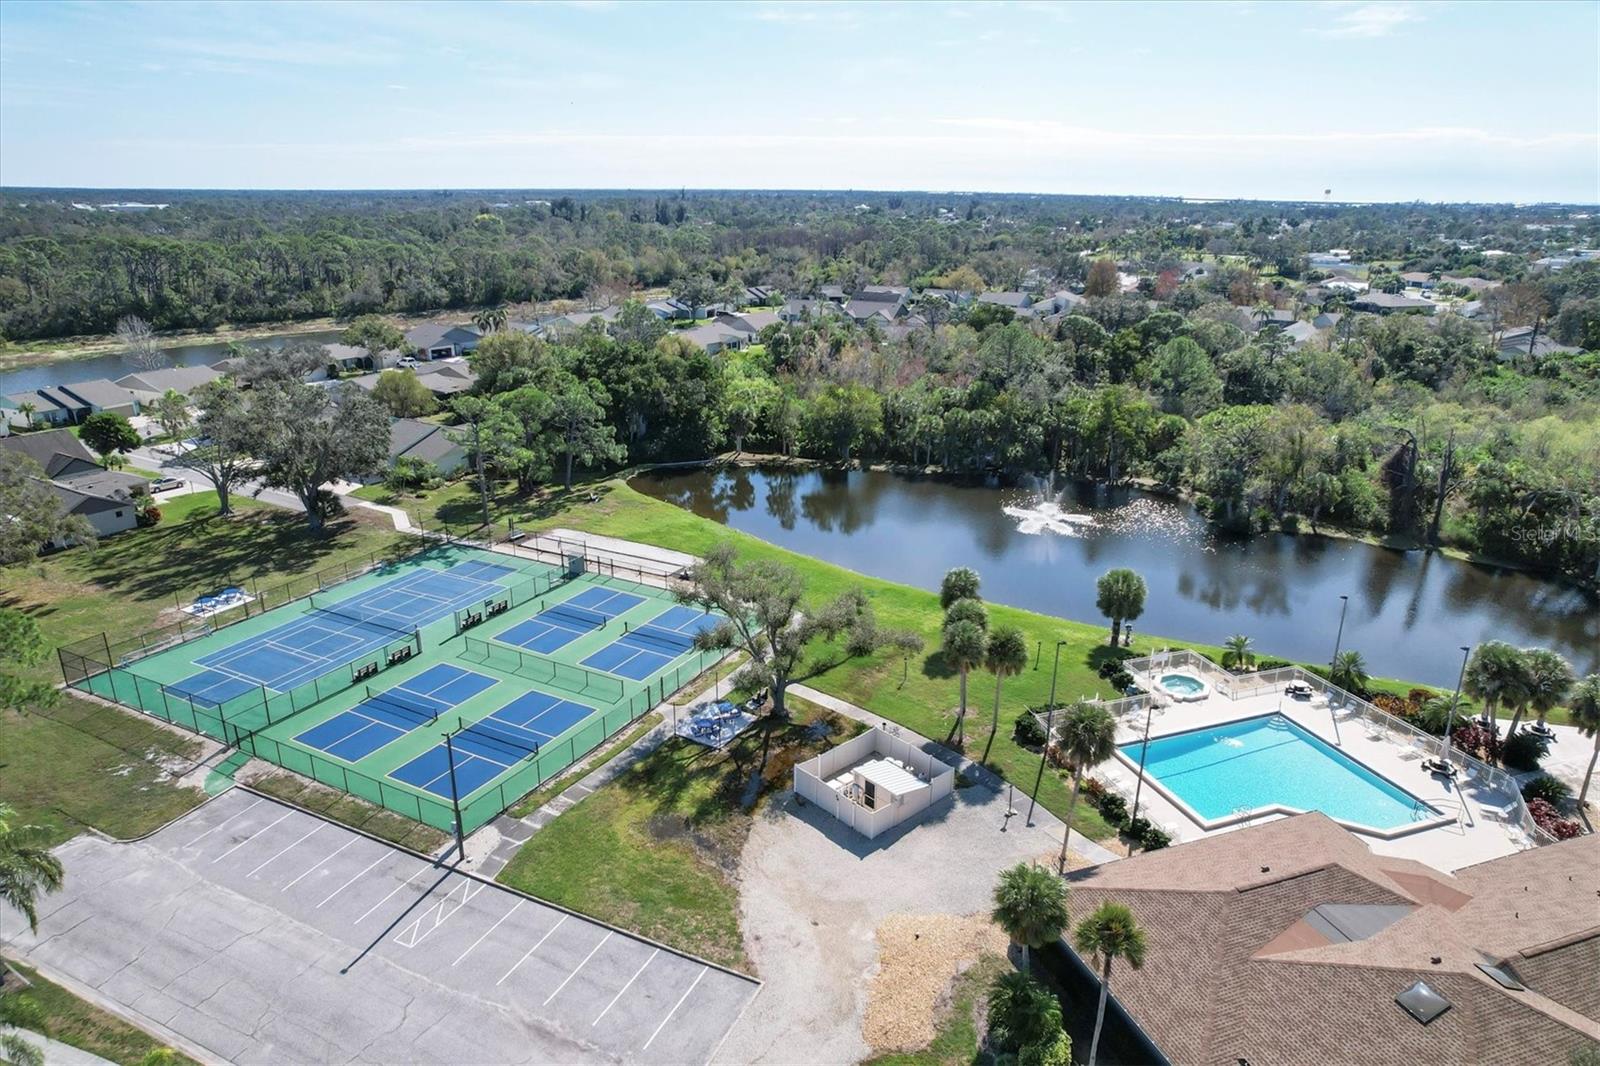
pixel 1182 684
pixel 1269 761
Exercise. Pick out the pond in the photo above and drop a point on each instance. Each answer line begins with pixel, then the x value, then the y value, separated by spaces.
pixel 1409 611
pixel 87 368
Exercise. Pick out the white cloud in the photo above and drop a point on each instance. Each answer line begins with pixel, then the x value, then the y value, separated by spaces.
pixel 1371 20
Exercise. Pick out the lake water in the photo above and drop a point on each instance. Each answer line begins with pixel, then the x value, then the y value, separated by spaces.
pixel 1409 611
pixel 66 371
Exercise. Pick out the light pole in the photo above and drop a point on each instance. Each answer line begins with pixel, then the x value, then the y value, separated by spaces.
pixel 455 799
pixel 1344 605
pixel 1055 669
pixel 1443 765
pixel 1049 731
pixel 1149 708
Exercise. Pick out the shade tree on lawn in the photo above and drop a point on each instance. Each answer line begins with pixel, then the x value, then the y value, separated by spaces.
pixel 304 437
pixel 22 645
pixel 577 428
pixel 223 433
pixel 108 433
pixel 404 394
pixel 33 514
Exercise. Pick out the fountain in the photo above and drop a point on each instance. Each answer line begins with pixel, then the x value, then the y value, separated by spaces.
pixel 1043 513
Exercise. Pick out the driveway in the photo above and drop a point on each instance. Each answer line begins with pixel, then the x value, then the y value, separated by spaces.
pixel 813 893
pixel 264 934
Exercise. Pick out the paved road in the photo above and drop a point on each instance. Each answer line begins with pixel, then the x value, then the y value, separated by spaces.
pixel 266 935
pixel 160 460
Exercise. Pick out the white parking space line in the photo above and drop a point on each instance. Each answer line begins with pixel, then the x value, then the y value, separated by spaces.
pixel 251 837
pixel 530 951
pixel 318 865
pixel 489 930
pixel 354 879
pixel 580 966
pixel 674 1010
pixel 285 851
pixel 624 988
pixel 225 821
pixel 392 891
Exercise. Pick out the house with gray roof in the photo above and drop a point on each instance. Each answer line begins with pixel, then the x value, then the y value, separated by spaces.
pixel 149 386
pixel 751 322
pixel 1386 303
pixel 78 481
pixel 717 337
pixel 1524 343
pixel 411 438
pixel 58 405
pixel 887 302
pixel 436 340
pixel 1016 301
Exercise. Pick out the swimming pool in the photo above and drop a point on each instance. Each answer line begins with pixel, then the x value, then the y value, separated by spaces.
pixel 1226 772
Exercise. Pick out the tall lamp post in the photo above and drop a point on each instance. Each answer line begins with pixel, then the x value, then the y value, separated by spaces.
pixel 1442 765
pixel 1049 731
pixel 1149 709
pixel 1344 605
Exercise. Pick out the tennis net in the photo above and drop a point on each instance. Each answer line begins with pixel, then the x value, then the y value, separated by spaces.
pixel 357 613
pixel 676 643
pixel 423 714
pixel 501 739
pixel 581 615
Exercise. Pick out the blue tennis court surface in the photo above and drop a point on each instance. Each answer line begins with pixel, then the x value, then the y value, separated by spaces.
pixel 560 624
pixel 389 715
pixel 653 646
pixel 489 747
pixel 340 631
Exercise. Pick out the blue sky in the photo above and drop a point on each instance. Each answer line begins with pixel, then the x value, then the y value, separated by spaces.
pixel 1373 100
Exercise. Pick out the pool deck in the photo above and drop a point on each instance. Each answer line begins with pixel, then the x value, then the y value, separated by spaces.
pixel 1474 832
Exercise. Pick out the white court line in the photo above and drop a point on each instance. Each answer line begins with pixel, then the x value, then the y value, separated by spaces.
pixel 530 951
pixel 353 880
pixel 251 837
pixel 392 891
pixel 319 863
pixel 225 821
pixel 285 851
pixel 487 931
pixel 624 988
pixel 580 966
pixel 674 1010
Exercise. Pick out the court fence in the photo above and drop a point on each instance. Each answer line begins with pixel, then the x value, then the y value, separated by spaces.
pixel 515 596
pixel 536 667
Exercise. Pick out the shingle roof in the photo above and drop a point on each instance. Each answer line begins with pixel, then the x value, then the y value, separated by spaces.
pixel 182 378
pixel 54 450
pixel 434 334
pixel 100 392
pixel 420 440
pixel 1238 969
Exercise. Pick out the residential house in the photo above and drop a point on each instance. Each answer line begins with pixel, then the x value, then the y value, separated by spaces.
pixel 1291 941
pixel 84 487
pixel 833 294
pixel 149 386
pixel 1524 343
pixel 1384 303
pixel 1299 333
pixel 1276 318
pixel 444 378
pixel 760 296
pixel 435 340
pixel 1474 285
pixel 348 357
pixel 796 309
pixel 887 302
pixel 430 442
pixel 1344 283
pixel 1327 320
pixel 58 405
pixel 1419 279
pixel 750 322
pixel 717 337
pixel 1019 302
pixel 954 297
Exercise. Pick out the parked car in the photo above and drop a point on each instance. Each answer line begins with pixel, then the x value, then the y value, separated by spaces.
pixel 166 484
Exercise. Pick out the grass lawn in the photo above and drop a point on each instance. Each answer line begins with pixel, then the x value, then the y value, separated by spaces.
pixel 63 1016
pixel 656 850
pixel 957 1040
pixel 558 784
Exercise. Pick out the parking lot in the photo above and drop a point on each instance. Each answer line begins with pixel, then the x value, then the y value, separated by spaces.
pixel 265 934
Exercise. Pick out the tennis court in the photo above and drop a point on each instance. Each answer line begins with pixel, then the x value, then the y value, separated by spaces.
pixel 338 631
pixel 492 745
pixel 560 624
pixel 384 717
pixel 652 647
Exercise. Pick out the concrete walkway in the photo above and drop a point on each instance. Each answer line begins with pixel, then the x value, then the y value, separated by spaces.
pixel 1049 825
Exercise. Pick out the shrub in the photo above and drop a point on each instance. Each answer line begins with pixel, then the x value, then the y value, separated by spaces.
pixel 1022 1012
pixel 1549 819
pixel 1094 788
pixel 1289 523
pixel 1552 790
pixel 1154 838
pixel 1114 809
pixel 1057 1052
pixel 1395 705
pixel 1523 750
pixel 1137 828
pixel 1263 665
pixel 1029 731
pixel 1477 741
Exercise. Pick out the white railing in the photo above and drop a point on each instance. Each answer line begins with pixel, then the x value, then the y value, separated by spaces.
pixel 1243 686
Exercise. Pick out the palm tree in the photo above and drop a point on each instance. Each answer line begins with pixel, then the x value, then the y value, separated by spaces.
pixel 964 646
pixel 1087 736
pixel 491 319
pixel 172 412
pixel 1238 653
pixel 1006 657
pixel 1550 678
pixel 1350 672
pixel 26 867
pixel 1030 904
pixel 1496 674
pixel 1112 933
pixel 26 409
pixel 960 583
pixel 1585 710
pixel 1121 598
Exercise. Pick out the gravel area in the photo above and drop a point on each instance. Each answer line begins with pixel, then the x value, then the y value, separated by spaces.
pixel 918 956
pixel 813 895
